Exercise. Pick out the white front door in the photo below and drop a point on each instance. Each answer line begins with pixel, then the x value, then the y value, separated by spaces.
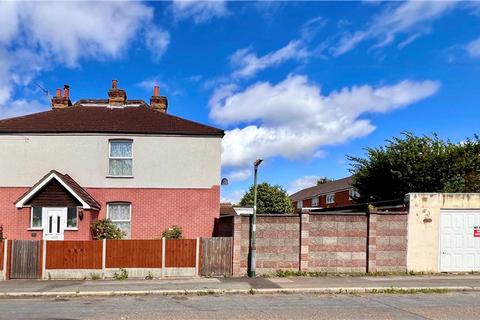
pixel 459 240
pixel 54 223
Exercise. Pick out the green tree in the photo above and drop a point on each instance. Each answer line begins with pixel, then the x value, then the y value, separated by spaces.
pixel 417 164
pixel 270 199
pixel 323 180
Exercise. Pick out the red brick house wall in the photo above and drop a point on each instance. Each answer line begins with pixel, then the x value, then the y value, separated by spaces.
pixel 342 198
pixel 153 210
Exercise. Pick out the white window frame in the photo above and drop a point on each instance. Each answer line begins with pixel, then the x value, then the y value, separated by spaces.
pixel 299 204
pixel 109 174
pixel 330 198
pixel 71 228
pixel 352 193
pixel 31 220
pixel 129 213
pixel 315 201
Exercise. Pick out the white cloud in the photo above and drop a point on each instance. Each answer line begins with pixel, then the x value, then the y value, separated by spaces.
pixel 157 41
pixel 247 63
pixel 407 18
pixel 473 48
pixel 292 119
pixel 233 197
pixel 302 183
pixel 239 175
pixel 198 11
pixel 37 36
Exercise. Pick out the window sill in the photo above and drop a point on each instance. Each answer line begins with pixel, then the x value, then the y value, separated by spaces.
pixel 119 177
pixel 35 229
pixel 70 229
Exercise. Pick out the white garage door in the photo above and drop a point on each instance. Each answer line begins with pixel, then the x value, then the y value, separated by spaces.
pixel 459 242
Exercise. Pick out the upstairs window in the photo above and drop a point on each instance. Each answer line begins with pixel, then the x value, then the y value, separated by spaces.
pixel 120 159
pixel 315 202
pixel 330 198
pixel 299 204
pixel 353 194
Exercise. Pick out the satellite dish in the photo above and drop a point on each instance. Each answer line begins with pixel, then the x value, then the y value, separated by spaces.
pixel 224 182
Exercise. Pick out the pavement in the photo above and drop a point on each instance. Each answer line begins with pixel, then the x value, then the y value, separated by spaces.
pixel 328 284
pixel 451 305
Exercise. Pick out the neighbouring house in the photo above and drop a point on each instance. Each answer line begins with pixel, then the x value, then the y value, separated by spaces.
pixel 115 158
pixel 326 195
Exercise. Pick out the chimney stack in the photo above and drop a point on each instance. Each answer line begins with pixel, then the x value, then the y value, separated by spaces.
pixel 59 101
pixel 157 102
pixel 116 97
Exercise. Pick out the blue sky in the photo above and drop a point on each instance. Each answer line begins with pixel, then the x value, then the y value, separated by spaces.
pixel 300 84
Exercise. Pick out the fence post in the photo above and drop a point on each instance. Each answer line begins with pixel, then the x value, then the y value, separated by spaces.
pixel 5 252
pixel 197 257
pixel 44 259
pixel 163 257
pixel 104 257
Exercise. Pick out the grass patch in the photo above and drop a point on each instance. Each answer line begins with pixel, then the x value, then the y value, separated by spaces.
pixel 94 276
pixel 393 290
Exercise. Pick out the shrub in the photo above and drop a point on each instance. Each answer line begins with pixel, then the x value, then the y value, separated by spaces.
pixel 174 232
pixel 122 274
pixel 106 229
pixel 1 233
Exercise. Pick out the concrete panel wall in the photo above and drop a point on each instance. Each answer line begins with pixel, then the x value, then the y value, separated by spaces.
pixel 337 243
pixel 424 225
pixel 158 161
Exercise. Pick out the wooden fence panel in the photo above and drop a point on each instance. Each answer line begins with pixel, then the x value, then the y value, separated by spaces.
pixel 74 254
pixel 134 254
pixel 2 248
pixel 217 256
pixel 180 253
pixel 25 255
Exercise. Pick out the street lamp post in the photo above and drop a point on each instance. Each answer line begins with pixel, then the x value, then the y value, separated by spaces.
pixel 253 247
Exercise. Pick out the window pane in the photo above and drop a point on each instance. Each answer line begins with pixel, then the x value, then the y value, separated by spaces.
pixel 120 167
pixel 37 217
pixel 125 227
pixel 119 212
pixel 72 217
pixel 121 149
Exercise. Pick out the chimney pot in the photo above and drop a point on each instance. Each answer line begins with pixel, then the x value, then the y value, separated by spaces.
pixel 59 101
pixel 114 84
pixel 156 91
pixel 66 91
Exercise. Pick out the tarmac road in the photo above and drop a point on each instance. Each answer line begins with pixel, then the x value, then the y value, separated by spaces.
pixel 454 305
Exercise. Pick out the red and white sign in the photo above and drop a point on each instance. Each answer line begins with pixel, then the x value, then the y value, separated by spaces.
pixel 476 232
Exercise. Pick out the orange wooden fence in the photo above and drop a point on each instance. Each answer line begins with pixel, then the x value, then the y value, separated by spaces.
pixel 74 254
pixel 134 254
pixel 180 253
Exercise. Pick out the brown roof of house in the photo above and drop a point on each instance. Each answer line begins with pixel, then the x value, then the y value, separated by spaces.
pixel 324 188
pixel 101 119
pixel 227 209
pixel 82 193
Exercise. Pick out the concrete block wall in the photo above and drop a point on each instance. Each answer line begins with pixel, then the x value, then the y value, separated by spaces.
pixel 327 242
pixel 391 243
pixel 338 243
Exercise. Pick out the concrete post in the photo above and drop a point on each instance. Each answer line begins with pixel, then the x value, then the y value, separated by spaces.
pixel 304 240
pixel 197 257
pixel 163 257
pixel 372 242
pixel 5 255
pixel 44 259
pixel 104 258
